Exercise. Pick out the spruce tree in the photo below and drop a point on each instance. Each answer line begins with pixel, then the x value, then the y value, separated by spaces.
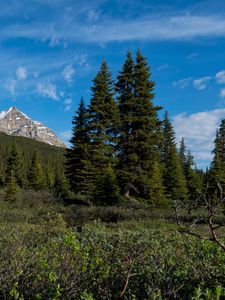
pixel 193 179
pixel 174 180
pixel 12 190
pixel 36 175
pixel 182 154
pixel 217 169
pixel 102 123
pixel 15 165
pixel 78 165
pixel 107 191
pixel 139 136
pixel 157 190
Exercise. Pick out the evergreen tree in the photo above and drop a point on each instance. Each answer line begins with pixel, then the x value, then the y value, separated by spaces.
pixel 107 192
pixel 61 187
pixel 12 189
pixel 217 169
pixel 157 190
pixel 15 165
pixel 102 123
pixel 182 154
pixel 174 180
pixel 49 178
pixel 139 136
pixel 78 157
pixel 36 175
pixel 103 118
pixel 193 179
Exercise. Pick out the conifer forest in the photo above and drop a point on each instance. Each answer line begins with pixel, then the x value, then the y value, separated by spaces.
pixel 122 213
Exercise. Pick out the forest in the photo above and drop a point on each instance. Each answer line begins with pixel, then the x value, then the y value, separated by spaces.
pixel 124 213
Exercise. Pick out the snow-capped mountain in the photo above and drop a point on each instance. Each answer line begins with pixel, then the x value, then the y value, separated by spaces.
pixel 14 122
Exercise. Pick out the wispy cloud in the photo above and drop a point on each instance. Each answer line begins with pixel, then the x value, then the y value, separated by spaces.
pixel 10 86
pixel 21 73
pixel 199 131
pixel 67 104
pixel 222 93
pixel 68 73
pixel 163 67
pixel 201 83
pixel 149 28
pixel 192 56
pixel 47 90
pixel 182 83
pixel 220 77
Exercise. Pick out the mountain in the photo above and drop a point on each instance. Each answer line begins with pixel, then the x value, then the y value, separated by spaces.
pixel 14 122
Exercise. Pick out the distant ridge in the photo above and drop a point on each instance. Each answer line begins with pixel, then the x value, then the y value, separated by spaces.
pixel 15 123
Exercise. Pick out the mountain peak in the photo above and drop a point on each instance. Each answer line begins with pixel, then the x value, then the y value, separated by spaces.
pixel 16 123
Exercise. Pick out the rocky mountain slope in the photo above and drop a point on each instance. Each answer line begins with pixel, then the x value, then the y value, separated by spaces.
pixel 14 122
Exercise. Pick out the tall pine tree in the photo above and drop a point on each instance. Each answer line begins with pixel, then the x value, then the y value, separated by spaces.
pixel 78 165
pixel 102 126
pixel 174 180
pixel 217 169
pixel 139 136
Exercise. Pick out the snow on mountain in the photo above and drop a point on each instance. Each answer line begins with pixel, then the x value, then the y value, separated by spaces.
pixel 16 123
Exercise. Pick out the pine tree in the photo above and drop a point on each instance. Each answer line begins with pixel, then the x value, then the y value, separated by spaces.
pixel 61 187
pixel 139 136
pixel 217 169
pixel 103 118
pixel 107 192
pixel 12 190
pixel 15 165
pixel 78 157
pixel 174 180
pixel 157 190
pixel 36 175
pixel 102 123
pixel 182 154
pixel 193 179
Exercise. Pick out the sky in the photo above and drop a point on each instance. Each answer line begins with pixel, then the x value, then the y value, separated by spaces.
pixel 50 50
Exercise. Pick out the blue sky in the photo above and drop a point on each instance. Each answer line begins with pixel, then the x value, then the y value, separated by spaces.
pixel 50 50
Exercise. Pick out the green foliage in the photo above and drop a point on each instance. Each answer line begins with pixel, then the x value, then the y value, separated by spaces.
pixel 139 135
pixel 15 165
pixel 77 155
pixel 217 169
pixel 107 191
pixel 12 190
pixel 174 179
pixel 157 190
pixel 41 257
pixel 36 178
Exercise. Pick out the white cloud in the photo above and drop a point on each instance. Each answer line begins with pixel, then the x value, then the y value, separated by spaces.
pixel 47 90
pixel 201 83
pixel 182 83
pixel 220 77
pixel 11 86
pixel 162 67
pixel 21 73
pixel 222 93
pixel 163 28
pixel 67 104
pixel 192 56
pixel 199 131
pixel 68 73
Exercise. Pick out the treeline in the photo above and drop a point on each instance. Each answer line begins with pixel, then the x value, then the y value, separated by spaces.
pixel 120 147
pixel 26 163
